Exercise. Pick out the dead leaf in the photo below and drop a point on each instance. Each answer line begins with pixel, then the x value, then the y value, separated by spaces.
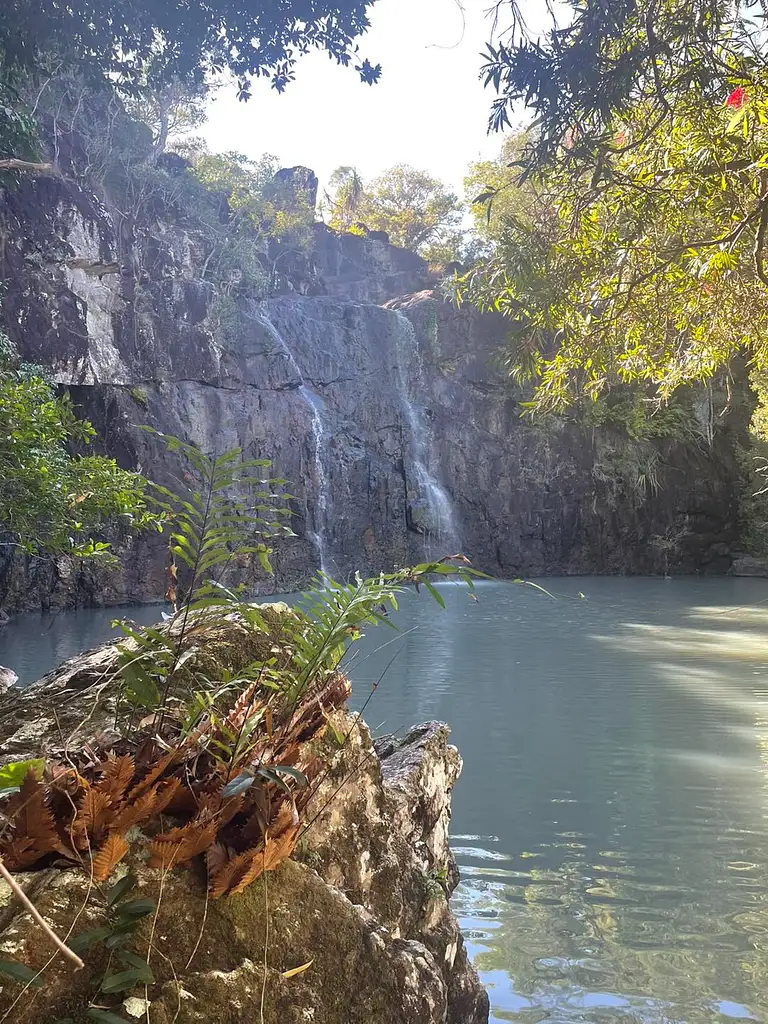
pixel 297 970
pixel 116 776
pixel 112 851
pixel 182 844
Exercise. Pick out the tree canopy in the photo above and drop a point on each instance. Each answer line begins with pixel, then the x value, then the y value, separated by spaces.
pixel 182 41
pixel 637 249
pixel 416 210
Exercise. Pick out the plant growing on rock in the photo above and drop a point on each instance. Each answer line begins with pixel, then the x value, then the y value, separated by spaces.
pixel 51 500
pixel 215 712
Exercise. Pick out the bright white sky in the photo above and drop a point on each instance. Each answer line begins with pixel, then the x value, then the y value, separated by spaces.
pixel 429 109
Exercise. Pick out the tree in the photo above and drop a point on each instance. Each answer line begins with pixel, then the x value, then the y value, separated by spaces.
pixel 51 500
pixel 643 255
pixel 272 214
pixel 492 179
pixel 182 41
pixel 343 197
pixel 171 110
pixel 414 209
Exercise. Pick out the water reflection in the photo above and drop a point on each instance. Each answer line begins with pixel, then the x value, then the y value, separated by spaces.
pixel 612 820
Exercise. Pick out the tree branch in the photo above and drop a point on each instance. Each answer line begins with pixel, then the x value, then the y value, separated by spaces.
pixel 25 901
pixel 14 164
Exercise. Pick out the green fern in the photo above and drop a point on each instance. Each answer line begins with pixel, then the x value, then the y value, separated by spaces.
pixel 230 512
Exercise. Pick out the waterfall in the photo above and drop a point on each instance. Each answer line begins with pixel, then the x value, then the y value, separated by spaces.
pixel 316 408
pixel 321 507
pixel 441 525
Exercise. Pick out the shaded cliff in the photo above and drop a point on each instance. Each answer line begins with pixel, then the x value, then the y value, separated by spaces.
pixel 381 404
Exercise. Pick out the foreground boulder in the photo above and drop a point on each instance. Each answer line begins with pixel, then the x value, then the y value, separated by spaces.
pixel 362 907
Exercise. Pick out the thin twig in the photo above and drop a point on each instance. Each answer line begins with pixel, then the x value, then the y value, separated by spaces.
pixel 22 897
pixel 266 940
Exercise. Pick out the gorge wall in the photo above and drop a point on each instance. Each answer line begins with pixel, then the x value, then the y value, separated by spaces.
pixel 381 404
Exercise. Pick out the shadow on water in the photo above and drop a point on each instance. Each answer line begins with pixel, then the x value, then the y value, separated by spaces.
pixel 611 823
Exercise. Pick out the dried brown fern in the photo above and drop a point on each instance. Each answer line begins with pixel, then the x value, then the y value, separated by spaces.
pixel 112 851
pixel 170 849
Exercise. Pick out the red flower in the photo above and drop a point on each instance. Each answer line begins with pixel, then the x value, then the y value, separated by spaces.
pixel 737 98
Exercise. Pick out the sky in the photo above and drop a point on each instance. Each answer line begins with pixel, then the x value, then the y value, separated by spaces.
pixel 429 109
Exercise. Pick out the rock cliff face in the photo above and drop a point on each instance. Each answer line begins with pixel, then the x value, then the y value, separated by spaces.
pixel 381 404
pixel 365 898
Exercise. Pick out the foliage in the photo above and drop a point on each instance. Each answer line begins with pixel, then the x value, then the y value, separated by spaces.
pixel 268 217
pixel 18 128
pixel 600 61
pixel 638 253
pixel 493 195
pixel 343 197
pixel 416 210
pixel 183 42
pixel 53 501
pixel 171 110
pixel 640 416
pixel 226 516
pixel 644 270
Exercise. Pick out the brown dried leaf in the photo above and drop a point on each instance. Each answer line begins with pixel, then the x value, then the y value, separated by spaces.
pixel 238 872
pixel 255 825
pixel 154 772
pixel 216 857
pixel 165 792
pixel 182 844
pixel 31 819
pixel 116 776
pixel 244 708
pixel 281 836
pixel 96 814
pixel 132 812
pixel 20 853
pixel 112 851
pixel 244 869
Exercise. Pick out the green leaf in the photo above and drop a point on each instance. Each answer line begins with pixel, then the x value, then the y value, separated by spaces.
pixel 136 908
pixel 21 973
pixel 120 888
pixel 284 769
pixel 139 963
pixel 435 593
pixel 238 785
pixel 82 942
pixel 12 775
pixel 123 980
pixel 104 1016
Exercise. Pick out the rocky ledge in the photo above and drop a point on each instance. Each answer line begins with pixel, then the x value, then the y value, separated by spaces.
pixel 364 901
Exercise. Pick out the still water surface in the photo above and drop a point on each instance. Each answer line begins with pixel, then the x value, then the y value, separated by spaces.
pixel 611 824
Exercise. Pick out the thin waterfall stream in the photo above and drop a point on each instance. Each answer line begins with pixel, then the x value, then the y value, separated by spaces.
pixel 441 520
pixel 316 407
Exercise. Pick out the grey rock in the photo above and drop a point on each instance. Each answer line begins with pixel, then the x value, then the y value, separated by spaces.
pixel 8 678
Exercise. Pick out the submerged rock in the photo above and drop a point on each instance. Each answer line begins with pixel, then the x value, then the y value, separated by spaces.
pixel 364 902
